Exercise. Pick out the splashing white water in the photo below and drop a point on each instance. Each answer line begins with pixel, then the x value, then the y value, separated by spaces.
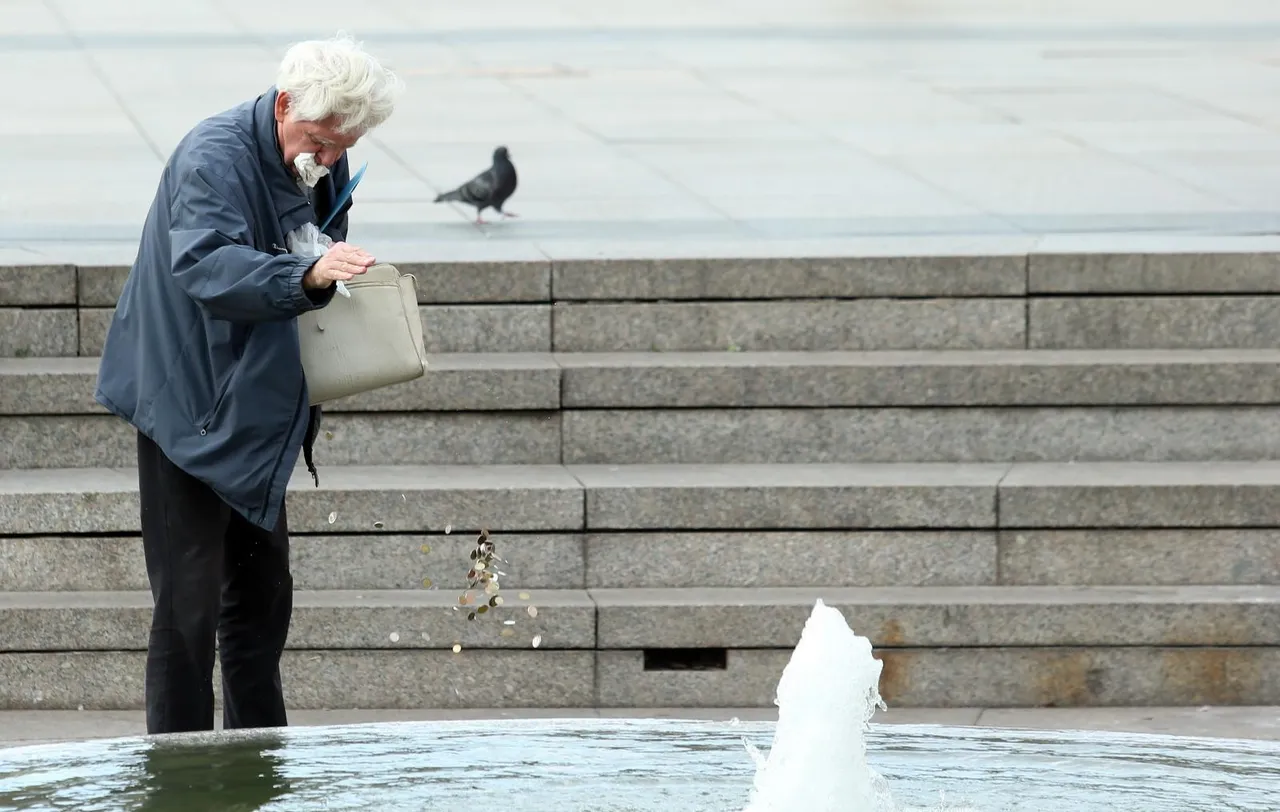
pixel 826 697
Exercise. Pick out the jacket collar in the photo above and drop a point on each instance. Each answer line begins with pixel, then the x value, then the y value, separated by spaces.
pixel 291 204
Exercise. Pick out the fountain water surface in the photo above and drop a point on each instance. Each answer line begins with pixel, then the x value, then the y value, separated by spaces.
pixel 818 762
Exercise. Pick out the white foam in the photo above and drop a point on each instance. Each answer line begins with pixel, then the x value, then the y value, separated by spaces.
pixel 825 698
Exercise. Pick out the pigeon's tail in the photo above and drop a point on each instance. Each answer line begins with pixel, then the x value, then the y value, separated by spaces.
pixel 446 197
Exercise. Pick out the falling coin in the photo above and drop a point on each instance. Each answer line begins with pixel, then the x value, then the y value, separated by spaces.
pixel 462 600
pixel 426 583
pixel 471 615
pixel 508 623
pixel 495 601
pixel 395 637
pixel 457 647
pixel 448 528
pixel 378 525
pixel 533 611
pixel 537 640
pixel 333 517
pixel 524 596
pixel 328 435
pixel 426 548
pixel 508 632
pixel 481 609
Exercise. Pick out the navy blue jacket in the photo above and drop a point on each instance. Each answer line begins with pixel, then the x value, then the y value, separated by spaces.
pixel 202 355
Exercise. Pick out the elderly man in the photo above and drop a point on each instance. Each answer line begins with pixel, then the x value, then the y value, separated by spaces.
pixel 202 359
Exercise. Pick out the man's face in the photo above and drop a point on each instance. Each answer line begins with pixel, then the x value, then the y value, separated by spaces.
pixel 320 137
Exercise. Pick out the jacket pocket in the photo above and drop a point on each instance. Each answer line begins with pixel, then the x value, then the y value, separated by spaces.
pixel 220 398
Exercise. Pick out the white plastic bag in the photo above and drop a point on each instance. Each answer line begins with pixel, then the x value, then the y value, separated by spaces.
pixel 308 240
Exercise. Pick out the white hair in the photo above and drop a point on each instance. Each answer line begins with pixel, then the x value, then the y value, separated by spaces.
pixel 336 77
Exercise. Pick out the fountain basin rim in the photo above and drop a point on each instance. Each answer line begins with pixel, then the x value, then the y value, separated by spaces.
pixel 588 724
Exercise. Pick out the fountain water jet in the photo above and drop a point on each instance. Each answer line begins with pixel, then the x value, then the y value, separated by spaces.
pixel 826 697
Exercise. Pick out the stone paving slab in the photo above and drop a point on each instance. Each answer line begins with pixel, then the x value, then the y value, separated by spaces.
pixel 802 496
pixel 956 118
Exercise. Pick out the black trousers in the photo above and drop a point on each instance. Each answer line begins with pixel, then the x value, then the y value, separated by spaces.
pixel 214 576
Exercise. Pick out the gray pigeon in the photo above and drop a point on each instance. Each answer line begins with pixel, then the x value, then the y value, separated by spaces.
pixel 489 189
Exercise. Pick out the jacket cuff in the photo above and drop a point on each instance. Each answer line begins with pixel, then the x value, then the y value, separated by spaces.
pixel 304 299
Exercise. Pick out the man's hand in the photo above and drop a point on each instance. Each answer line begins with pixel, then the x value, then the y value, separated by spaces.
pixel 340 263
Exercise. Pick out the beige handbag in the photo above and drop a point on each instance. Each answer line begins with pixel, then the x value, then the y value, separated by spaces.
pixel 365 341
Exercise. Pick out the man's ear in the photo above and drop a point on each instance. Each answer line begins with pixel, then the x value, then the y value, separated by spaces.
pixel 282 105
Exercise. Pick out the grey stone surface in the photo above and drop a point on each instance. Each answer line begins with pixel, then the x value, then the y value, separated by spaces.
pixel 468 382
pixel 454 382
pixel 379 619
pixel 321 679
pixel 460 281
pixel 27 332
pixel 1140 556
pixel 1181 322
pixel 37 285
pixel 382 561
pixel 770 559
pixel 791 278
pixel 397 499
pixel 440 438
pixel 862 324
pixel 920 378
pixel 732 436
pixel 429 498
pixel 67 441
pixel 943 616
pixel 446 328
pixel 1009 119
pixel 1153 272
pixel 91 500
pixel 94 322
pixel 100 285
pixel 486 328
pixel 779 497
pixel 35 386
pixel 1140 495
pixel 965 677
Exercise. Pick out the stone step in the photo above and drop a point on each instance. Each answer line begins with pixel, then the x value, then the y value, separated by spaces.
pixel 889 267
pixel 901 496
pixel 942 616
pixel 994 647
pixel 969 295
pixel 714 436
pixel 992 677
pixel 1085 322
pixel 516 409
pixel 625 619
pixel 371 619
pixel 654 380
pixel 656 560
pixel 320 679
